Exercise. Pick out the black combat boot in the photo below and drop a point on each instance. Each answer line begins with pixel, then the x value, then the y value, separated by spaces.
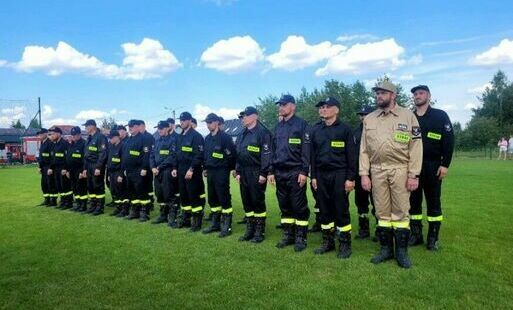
pixel 82 206
pixel 45 202
pixel 363 227
pixel 250 229
pixel 226 225
pixel 344 250
pixel 184 220
pixel 259 235
pixel 416 236
pixel 100 205
pixel 172 216
pixel 432 238
pixel 328 241
pixel 289 236
pixel 92 205
pixel 53 202
pixel 401 247
pixel 300 242
pixel 125 210
pixel 117 209
pixel 76 206
pixel 134 212
pixel 216 223
pixel 69 202
pixel 385 237
pixel 144 215
pixel 164 211
pixel 196 221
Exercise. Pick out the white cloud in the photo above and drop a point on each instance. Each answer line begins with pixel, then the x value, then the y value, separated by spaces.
pixel 3 63
pixel 233 55
pixel 91 114
pixel 500 54
pixel 59 121
pixel 470 106
pixel 47 111
pixel 368 57
pixel 479 89
pixel 8 115
pixel 146 60
pixel 296 54
pixel 357 37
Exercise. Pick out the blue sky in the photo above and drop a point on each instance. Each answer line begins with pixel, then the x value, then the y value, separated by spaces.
pixel 127 59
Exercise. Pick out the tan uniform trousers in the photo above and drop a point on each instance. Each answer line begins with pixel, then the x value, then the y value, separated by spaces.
pixel 391 198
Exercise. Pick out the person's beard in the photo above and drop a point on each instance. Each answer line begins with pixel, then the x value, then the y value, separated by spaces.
pixel 384 103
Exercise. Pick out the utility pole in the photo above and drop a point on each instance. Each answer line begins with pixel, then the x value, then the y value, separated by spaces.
pixel 39 111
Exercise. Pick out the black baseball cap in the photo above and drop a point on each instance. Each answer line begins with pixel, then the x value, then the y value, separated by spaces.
pixel 420 87
pixel 286 99
pixel 365 111
pixel 140 122
pixel 211 117
pixel 194 121
pixel 113 133
pixel 42 131
pixel 185 116
pixel 55 129
pixel 248 111
pixel 221 120
pixel 162 125
pixel 171 121
pixel 89 122
pixel 330 101
pixel 75 131
pixel 120 127
pixel 132 123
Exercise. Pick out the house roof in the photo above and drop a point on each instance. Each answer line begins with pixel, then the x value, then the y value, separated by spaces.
pixel 14 135
pixel 233 127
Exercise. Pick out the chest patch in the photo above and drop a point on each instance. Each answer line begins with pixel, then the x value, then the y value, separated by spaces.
pixel 402 127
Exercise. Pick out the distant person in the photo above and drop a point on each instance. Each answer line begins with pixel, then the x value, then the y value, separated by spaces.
pixel 510 146
pixel 503 148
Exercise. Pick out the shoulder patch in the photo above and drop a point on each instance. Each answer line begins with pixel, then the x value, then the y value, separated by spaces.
pixel 448 127
pixel 415 131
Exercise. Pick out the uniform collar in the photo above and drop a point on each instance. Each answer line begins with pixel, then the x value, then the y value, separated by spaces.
pixel 254 129
pixel 335 123
pixel 427 110
pixel 290 121
pixel 393 111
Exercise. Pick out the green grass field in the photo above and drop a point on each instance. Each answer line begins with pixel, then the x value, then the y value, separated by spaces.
pixel 60 259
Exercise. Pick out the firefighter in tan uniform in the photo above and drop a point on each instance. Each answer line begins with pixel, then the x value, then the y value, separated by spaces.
pixel 391 153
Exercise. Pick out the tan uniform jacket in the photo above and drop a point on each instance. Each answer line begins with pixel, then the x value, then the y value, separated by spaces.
pixel 391 140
